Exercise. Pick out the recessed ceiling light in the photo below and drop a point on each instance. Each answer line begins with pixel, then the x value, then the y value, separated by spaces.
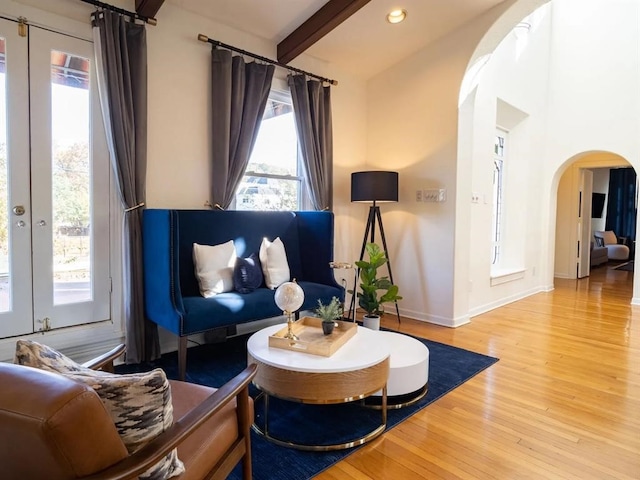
pixel 396 16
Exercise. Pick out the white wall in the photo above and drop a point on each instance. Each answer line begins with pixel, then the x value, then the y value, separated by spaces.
pixel 413 128
pixel 565 227
pixel 179 117
pixel 578 98
pixel 594 76
pixel 511 94
pixel 577 85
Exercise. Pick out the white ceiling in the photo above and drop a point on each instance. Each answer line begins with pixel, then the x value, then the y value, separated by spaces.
pixel 365 44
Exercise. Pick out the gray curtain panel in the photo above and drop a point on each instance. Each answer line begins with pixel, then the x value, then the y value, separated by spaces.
pixel 239 95
pixel 121 67
pixel 312 110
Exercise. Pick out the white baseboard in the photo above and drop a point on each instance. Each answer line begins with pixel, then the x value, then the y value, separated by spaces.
pixel 505 301
pixel 435 319
pixel 635 301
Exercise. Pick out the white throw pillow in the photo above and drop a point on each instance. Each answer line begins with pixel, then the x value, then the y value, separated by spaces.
pixel 214 267
pixel 275 266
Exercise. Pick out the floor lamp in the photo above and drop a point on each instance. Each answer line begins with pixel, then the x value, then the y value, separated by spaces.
pixel 376 187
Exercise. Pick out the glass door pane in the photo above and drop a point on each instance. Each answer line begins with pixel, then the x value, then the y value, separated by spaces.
pixel 71 177
pixel 5 285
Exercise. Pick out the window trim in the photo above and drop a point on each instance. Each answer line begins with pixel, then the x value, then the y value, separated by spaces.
pixel 497 228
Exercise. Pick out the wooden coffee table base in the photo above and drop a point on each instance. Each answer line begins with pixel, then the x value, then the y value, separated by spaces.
pixel 321 388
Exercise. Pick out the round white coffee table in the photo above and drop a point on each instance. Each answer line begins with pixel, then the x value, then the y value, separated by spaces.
pixel 408 370
pixel 358 369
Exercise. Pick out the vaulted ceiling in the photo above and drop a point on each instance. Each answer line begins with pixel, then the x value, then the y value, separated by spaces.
pixel 362 43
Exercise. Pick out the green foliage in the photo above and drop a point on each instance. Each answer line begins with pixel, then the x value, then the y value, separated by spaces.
pixel 330 312
pixel 374 291
pixel 71 186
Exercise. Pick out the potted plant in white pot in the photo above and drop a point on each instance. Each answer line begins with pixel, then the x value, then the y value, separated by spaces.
pixel 374 291
pixel 329 313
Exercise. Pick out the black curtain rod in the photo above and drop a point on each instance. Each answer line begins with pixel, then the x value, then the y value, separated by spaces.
pixel 133 15
pixel 204 38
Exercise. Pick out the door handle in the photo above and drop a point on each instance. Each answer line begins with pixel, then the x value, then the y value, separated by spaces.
pixel 18 210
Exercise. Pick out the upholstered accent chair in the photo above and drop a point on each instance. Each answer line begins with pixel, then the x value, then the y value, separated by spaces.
pixel 616 246
pixel 57 427
pixel 599 255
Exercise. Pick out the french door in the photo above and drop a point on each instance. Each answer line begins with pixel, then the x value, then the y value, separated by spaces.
pixel 584 223
pixel 54 184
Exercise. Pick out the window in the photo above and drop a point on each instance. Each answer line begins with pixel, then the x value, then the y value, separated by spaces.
pixel 273 179
pixel 498 195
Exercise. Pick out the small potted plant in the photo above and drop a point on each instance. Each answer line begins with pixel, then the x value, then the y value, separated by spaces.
pixel 329 313
pixel 374 291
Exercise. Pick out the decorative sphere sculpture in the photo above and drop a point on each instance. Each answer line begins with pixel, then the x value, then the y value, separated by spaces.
pixel 289 297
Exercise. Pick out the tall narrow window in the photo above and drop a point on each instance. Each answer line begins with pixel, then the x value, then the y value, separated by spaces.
pixel 498 195
pixel 273 179
pixel 71 177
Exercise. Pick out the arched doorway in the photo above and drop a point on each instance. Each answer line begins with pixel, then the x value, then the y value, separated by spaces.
pixel 579 179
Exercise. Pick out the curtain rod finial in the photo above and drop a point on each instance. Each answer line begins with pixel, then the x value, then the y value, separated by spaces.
pixel 203 38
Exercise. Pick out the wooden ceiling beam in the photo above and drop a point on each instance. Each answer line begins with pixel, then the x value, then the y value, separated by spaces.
pixel 332 14
pixel 148 8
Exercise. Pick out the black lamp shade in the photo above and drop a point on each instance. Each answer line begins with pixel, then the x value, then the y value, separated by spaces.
pixel 374 186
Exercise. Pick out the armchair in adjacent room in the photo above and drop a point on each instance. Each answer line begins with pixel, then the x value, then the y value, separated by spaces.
pixel 56 426
pixel 616 248
pixel 599 255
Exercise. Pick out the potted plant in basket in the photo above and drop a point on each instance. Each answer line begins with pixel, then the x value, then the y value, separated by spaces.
pixel 374 291
pixel 329 313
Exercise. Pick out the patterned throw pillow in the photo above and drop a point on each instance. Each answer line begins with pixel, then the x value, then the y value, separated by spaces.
pixel 34 354
pixel 139 403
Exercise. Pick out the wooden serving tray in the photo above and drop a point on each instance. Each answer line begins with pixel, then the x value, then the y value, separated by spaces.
pixel 311 339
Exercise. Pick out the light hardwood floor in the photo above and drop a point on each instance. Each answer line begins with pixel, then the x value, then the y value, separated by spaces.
pixel 563 402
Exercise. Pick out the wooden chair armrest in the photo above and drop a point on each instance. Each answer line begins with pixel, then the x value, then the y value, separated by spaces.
pixel 105 361
pixel 160 446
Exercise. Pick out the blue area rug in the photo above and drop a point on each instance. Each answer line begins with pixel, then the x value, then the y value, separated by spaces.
pixel 215 364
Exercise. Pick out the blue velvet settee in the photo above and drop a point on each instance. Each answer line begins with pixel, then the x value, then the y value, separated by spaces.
pixel 172 296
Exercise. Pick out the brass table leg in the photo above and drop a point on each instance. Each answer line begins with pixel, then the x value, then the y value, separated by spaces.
pixel 376 432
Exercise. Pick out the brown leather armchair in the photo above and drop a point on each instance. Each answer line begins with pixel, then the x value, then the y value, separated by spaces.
pixel 56 428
